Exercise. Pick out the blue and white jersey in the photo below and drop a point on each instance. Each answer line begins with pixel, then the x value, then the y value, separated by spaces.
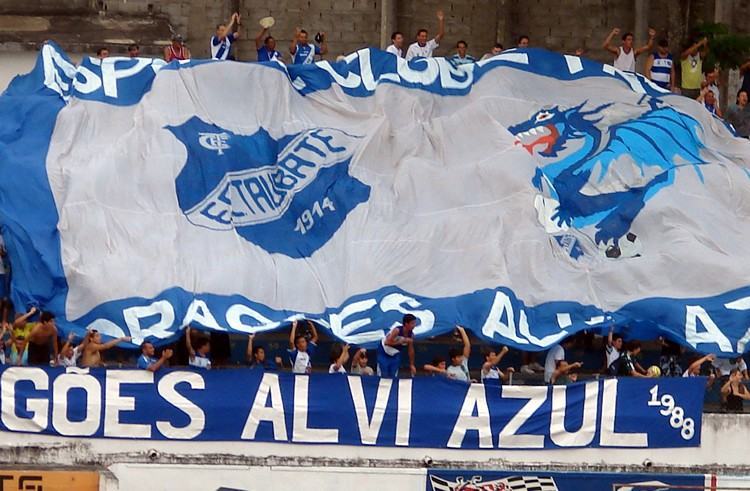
pixel 220 47
pixel 466 60
pixel 301 359
pixel 400 339
pixel 661 70
pixel 200 361
pixel 305 53
pixel 265 54
pixel 145 361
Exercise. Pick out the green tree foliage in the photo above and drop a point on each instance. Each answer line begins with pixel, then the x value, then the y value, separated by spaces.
pixel 727 49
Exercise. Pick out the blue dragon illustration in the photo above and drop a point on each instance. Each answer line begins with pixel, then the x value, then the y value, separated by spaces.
pixel 571 146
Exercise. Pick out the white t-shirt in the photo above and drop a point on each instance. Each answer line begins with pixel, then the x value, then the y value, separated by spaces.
pixel 415 50
pixel 72 361
pixel 555 354
pixel 332 369
pixel 459 372
pixel 357 370
pixel 394 50
pixel 725 365
pixel 612 355
pixel 199 361
pixel 492 374
pixel 625 61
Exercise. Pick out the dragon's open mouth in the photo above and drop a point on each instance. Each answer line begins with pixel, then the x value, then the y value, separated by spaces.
pixel 540 135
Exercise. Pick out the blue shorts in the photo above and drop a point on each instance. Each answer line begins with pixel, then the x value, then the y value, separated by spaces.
pixel 388 365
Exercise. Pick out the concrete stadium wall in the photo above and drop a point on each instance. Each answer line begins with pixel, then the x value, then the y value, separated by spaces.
pixel 723 451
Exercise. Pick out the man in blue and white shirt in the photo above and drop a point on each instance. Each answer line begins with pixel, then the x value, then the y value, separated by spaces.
pixel 660 67
pixel 303 52
pixel 221 43
pixel 147 360
pixel 300 350
pixel 461 57
pixel 265 45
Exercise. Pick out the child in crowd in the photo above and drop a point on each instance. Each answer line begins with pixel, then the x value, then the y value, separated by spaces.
pixel 68 356
pixel 339 356
pixel 359 364
pixel 256 357
pixel 300 350
pixel 436 367
pixel 198 354
pixel 459 359
pixel 492 358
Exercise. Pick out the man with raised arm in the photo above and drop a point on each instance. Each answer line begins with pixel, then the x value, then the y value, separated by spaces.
pixel 459 359
pixel 303 52
pixel 93 347
pixel 265 45
pixel 389 351
pixel 221 42
pixel 198 354
pixel 625 54
pixel 39 339
pixel 423 48
pixel 691 66
pixel 300 350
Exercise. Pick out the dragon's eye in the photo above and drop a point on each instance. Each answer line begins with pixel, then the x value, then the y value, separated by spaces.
pixel 543 116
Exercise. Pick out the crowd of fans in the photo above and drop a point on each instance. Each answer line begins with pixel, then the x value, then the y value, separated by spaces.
pixel 696 80
pixel 32 339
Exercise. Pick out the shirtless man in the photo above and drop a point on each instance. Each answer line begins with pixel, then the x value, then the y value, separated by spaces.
pixel 38 341
pixel 92 351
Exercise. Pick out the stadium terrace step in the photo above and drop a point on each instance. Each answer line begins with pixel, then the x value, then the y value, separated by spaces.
pixel 85 32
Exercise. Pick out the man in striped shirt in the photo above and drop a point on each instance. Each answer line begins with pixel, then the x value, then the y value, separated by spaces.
pixel 221 43
pixel 660 67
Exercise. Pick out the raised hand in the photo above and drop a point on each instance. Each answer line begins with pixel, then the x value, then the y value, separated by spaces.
pixel 651 32
pixel 440 15
pixel 616 31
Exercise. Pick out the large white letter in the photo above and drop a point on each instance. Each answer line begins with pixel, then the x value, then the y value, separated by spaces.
pixel 396 301
pixel 160 329
pixel 403 415
pixel 585 435
pixel 236 312
pixel 114 403
pixel 342 330
pixel 198 312
pixel 494 323
pixel 713 335
pixel 608 437
pixel 197 417
pixel 300 431
pixel 259 412
pixel 475 398
pixel 92 406
pixel 508 437
pixel 37 407
pixel 369 429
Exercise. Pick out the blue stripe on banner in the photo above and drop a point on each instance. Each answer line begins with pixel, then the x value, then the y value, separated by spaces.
pixel 351 410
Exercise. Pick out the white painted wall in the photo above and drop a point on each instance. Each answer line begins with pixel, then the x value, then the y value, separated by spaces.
pixel 724 447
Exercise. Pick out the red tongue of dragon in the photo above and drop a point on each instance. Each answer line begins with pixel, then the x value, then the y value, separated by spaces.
pixel 549 140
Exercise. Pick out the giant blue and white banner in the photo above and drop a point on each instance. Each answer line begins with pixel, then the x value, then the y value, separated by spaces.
pixel 527 197
pixel 250 405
